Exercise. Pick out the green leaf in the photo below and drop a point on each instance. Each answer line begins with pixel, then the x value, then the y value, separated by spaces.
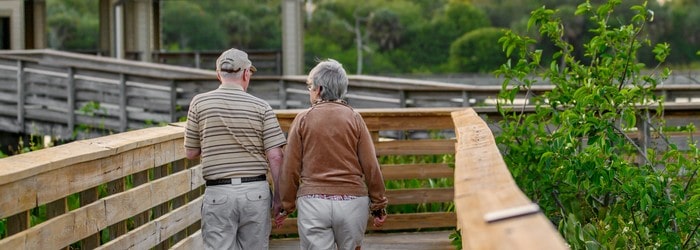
pixel 582 8
pixel 629 118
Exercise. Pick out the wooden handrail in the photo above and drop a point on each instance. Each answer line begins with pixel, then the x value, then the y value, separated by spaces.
pixel 149 184
pixel 492 212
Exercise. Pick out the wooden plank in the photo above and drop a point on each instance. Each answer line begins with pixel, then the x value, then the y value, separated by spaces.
pixel 194 241
pixel 45 85
pixel 136 91
pixel 419 195
pixel 152 233
pixel 417 171
pixel 390 119
pixel 142 103
pixel 427 122
pixel 431 240
pixel 9 124
pixel 415 221
pixel 484 185
pixel 62 230
pixel 9 98
pixel 42 114
pixel 415 147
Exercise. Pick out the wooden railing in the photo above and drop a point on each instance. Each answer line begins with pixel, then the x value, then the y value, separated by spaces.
pixel 50 92
pixel 492 211
pixel 136 190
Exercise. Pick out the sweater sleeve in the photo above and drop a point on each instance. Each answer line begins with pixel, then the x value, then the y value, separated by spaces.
pixel 291 168
pixel 370 167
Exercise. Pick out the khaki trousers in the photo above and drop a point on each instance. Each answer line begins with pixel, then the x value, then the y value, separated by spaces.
pixel 325 224
pixel 236 216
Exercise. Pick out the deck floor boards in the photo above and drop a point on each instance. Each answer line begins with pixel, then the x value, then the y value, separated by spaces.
pixel 438 240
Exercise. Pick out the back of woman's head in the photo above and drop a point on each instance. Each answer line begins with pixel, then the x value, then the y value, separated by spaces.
pixel 331 77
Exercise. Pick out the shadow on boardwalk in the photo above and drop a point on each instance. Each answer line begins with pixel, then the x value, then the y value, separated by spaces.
pixel 406 241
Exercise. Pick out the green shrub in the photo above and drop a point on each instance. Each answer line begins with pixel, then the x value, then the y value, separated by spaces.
pixel 477 51
pixel 573 156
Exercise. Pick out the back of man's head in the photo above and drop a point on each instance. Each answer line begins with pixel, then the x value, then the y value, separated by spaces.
pixel 232 62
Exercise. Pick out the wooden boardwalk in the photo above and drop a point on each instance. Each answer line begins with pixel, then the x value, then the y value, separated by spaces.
pixel 438 240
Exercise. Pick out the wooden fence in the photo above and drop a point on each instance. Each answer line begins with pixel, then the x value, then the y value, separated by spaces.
pixel 136 190
pixel 69 95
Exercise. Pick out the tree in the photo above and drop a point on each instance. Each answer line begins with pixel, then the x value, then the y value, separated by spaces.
pixel 187 27
pixel 574 155
pixel 477 51
pixel 72 25
pixel 430 43
pixel 238 27
pixel 385 28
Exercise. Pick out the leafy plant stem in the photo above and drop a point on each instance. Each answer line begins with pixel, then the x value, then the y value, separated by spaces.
pixel 690 180
pixel 555 193
pixel 641 152
pixel 629 56
pixel 690 236
pixel 636 228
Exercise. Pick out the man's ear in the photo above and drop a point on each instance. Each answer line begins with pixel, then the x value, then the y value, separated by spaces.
pixel 245 76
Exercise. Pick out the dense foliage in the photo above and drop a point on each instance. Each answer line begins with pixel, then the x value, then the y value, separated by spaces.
pixel 574 155
pixel 393 37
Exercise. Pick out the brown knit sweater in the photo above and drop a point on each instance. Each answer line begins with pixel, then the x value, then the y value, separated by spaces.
pixel 330 151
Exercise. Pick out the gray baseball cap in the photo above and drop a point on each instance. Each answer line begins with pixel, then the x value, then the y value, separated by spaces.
pixel 233 60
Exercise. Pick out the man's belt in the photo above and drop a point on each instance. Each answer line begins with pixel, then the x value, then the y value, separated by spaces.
pixel 227 181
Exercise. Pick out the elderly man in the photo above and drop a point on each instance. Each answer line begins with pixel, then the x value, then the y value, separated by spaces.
pixel 236 135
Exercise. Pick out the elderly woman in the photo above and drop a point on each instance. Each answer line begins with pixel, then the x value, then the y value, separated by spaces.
pixel 330 168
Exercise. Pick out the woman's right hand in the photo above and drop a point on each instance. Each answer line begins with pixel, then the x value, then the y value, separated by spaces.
pixel 379 221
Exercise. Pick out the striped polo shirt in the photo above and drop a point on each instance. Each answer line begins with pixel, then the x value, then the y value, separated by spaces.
pixel 233 129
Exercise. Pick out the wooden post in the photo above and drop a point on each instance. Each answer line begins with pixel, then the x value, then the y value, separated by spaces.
pixel 278 63
pixel 402 98
pixel 192 195
pixel 119 228
pixel 160 210
pixel 87 197
pixel 70 108
pixel 17 223
pixel 173 101
pixel 283 94
pixel 138 179
pixel 181 200
pixel 123 118
pixel 644 135
pixel 465 99
pixel 20 96
pixel 57 208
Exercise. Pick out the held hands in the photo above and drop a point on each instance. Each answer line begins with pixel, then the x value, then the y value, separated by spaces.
pixel 379 221
pixel 279 218
pixel 276 212
pixel 379 217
